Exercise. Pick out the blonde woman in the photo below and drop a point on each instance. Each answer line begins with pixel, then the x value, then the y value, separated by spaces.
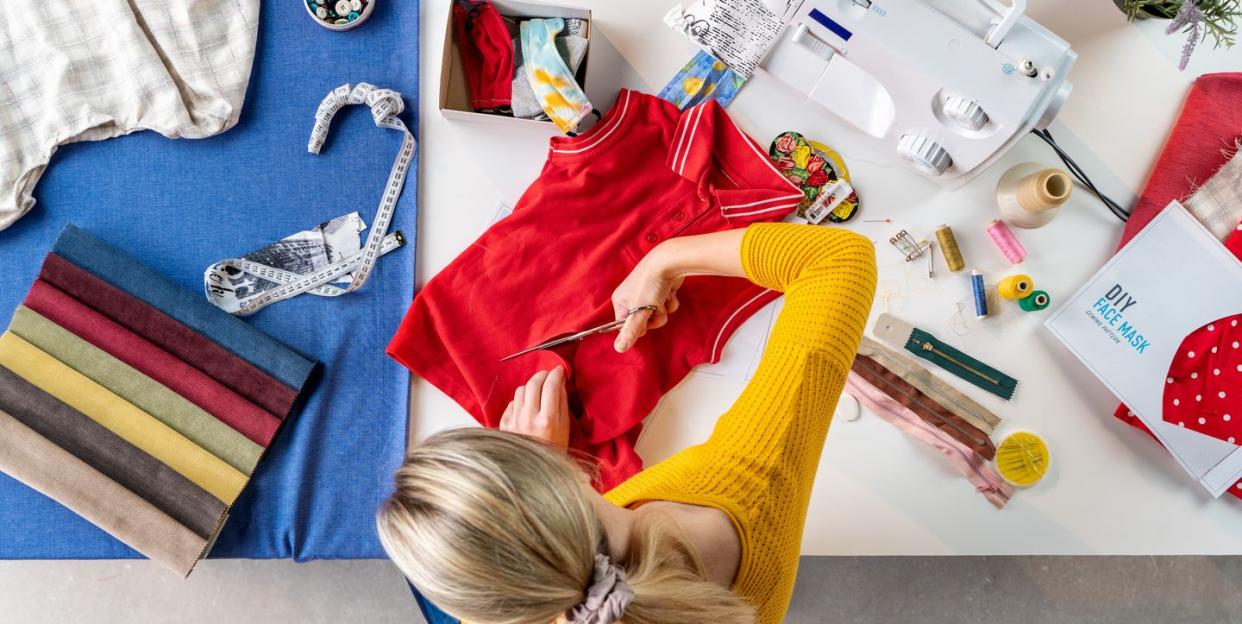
pixel 498 528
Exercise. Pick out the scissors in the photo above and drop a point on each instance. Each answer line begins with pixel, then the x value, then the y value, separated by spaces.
pixel 568 337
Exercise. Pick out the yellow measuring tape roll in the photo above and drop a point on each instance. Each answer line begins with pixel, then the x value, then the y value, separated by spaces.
pixel 1022 458
pixel 1015 287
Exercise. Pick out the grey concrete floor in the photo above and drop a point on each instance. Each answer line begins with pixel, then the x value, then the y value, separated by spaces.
pixel 854 590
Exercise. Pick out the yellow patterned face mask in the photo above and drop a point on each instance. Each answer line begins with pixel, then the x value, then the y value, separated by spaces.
pixel 554 85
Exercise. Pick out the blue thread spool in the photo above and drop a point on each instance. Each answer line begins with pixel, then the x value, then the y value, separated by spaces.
pixel 981 295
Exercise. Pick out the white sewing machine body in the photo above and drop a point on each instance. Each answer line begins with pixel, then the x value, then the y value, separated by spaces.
pixel 949 85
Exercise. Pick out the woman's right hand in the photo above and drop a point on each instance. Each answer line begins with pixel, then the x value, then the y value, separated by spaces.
pixel 651 283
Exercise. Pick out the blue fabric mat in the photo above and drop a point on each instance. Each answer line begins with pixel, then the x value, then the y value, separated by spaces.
pixel 180 205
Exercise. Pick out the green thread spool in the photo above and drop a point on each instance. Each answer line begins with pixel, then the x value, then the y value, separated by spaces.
pixel 1037 300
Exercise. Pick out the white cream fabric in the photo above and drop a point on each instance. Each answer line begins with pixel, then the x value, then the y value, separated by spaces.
pixel 1218 203
pixel 87 70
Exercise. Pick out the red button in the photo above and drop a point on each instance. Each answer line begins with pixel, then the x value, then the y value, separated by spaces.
pixel 679 215
pixel 651 238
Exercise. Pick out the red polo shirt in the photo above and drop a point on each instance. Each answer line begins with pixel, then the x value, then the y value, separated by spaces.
pixel 647 172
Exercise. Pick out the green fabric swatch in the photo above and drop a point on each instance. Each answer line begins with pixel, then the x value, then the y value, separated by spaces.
pixel 172 409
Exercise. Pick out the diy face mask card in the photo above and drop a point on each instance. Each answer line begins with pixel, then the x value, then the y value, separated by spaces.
pixel 1136 324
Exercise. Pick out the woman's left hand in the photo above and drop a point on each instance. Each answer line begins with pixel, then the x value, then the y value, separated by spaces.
pixel 540 409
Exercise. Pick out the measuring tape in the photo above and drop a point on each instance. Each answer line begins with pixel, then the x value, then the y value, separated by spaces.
pixel 385 105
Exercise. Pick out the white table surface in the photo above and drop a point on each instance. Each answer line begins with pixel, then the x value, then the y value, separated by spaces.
pixel 1110 490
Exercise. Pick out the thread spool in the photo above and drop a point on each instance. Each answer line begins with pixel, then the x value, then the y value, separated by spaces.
pixel 948 246
pixel 980 293
pixel 1029 195
pixel 1035 302
pixel 1022 458
pixel 1015 287
pixel 1006 241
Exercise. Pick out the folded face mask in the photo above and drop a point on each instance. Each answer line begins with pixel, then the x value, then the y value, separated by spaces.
pixel 486 55
pixel 703 78
pixel 573 49
pixel 550 78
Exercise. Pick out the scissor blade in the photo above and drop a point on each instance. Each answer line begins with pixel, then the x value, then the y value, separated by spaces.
pixel 557 341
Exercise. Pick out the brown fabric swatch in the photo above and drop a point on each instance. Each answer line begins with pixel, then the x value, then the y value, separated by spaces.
pixel 920 377
pixel 930 411
pixel 108 453
pixel 170 335
pixel 34 460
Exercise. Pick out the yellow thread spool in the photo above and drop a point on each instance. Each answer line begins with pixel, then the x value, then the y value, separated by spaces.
pixel 1022 459
pixel 1015 287
pixel 948 246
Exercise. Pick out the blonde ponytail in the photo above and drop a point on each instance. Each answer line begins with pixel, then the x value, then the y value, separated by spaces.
pixel 496 528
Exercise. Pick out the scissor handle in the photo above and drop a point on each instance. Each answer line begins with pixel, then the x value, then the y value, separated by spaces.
pixel 628 313
pixel 619 323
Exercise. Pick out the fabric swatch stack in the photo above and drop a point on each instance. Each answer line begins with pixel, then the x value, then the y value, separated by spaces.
pixel 135 403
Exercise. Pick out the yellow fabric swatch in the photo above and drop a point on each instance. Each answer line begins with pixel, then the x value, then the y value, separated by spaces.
pixel 122 418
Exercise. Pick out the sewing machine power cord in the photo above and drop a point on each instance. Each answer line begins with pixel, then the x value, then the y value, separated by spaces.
pixel 1081 176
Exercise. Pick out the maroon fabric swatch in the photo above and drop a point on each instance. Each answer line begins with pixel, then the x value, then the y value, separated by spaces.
pixel 170 335
pixel 245 417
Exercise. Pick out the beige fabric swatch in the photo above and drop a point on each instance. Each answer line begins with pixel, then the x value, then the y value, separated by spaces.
pixel 35 461
pixel 1218 203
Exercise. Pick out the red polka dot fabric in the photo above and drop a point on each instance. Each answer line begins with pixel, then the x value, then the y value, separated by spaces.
pixel 1203 389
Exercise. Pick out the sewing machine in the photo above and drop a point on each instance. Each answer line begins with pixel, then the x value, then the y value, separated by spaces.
pixel 949 85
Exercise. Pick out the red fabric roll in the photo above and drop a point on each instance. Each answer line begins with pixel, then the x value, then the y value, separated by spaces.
pixel 1201 141
pixel 486 53
pixel 170 335
pixel 245 417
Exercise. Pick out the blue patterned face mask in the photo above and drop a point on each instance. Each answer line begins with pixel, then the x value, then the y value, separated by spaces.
pixel 554 85
pixel 703 78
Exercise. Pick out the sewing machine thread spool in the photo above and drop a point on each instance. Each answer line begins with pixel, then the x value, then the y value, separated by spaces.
pixel 1030 195
pixel 1022 458
pixel 948 246
pixel 980 293
pixel 1035 302
pixel 1015 287
pixel 1006 241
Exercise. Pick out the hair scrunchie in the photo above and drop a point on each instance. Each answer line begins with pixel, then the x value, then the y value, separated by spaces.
pixel 606 598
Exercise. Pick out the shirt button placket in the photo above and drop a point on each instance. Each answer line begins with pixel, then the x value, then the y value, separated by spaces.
pixel 652 238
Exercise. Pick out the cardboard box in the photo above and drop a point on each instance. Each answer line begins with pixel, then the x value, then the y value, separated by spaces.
pixel 455 95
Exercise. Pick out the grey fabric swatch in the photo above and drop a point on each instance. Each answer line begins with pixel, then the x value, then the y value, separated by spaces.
pixel 120 461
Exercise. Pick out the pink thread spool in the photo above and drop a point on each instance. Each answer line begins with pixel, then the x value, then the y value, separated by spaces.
pixel 1006 241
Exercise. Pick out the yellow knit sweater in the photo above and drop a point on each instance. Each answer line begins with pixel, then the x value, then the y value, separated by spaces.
pixel 760 461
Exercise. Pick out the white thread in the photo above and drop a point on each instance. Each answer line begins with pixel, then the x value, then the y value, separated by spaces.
pixel 755 203
pixel 788 207
pixel 694 129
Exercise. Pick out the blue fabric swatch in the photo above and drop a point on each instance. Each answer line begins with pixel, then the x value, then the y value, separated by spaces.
pixel 189 307
pixel 180 205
